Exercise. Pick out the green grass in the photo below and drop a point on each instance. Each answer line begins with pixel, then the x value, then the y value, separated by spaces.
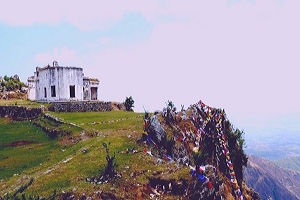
pixel 62 128
pixel 35 159
pixel 16 159
pixel 104 120
pixel 16 131
pixel 21 102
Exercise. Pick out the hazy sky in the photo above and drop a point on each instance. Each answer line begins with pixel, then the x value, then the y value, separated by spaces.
pixel 240 55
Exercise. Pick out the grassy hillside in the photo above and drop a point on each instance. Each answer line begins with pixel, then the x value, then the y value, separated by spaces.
pixel 63 164
pixel 62 155
pixel 21 102
pixel 22 146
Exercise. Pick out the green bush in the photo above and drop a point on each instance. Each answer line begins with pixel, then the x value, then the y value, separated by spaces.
pixel 129 103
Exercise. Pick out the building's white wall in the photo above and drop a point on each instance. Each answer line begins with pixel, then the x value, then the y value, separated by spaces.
pixel 42 81
pixel 68 77
pixel 61 78
pixel 86 89
pixel 31 90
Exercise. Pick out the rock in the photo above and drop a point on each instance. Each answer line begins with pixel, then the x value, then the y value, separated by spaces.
pixel 156 131
pixel 84 150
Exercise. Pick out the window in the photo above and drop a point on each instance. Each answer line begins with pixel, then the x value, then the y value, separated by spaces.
pixel 53 92
pixel 72 91
pixel 45 92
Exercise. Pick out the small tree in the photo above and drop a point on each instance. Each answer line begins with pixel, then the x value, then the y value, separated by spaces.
pixel 171 106
pixel 129 103
pixel 171 109
pixel 110 169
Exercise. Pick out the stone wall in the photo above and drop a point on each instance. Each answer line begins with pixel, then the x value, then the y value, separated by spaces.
pixel 85 106
pixel 19 112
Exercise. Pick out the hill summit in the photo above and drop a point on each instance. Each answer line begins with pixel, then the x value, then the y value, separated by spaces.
pixel 202 138
pixel 195 153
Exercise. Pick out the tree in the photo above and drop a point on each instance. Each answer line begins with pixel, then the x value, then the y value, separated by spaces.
pixel 171 106
pixel 12 83
pixel 110 169
pixel 129 103
pixel 6 78
pixel 236 143
pixel 171 109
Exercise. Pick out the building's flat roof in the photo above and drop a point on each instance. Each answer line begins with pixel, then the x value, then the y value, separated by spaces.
pixel 91 79
pixel 51 67
pixel 31 78
pixel 94 79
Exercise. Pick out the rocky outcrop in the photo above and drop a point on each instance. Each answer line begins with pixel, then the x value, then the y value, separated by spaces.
pixel 156 131
pixel 203 139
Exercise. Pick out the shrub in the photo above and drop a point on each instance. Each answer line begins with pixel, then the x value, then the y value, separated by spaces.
pixel 110 169
pixel 129 103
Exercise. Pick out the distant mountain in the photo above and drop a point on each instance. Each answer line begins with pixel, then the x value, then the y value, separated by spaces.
pixel 290 163
pixel 270 180
pixel 273 144
pixel 272 136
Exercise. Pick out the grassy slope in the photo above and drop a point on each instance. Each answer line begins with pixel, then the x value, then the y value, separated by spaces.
pixel 44 159
pixel 15 159
pixel 21 102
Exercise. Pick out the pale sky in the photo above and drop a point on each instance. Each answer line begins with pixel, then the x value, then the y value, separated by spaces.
pixel 240 55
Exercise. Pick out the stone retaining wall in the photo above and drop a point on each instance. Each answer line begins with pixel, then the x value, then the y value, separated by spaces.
pixel 85 106
pixel 19 112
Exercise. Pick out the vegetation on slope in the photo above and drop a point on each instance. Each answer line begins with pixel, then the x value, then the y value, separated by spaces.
pixel 66 162
pixel 12 83
pixel 21 102
pixel 22 146
pixel 70 163
pixel 201 136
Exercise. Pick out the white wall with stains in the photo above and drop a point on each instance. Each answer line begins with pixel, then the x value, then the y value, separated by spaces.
pixel 60 78
pixel 57 83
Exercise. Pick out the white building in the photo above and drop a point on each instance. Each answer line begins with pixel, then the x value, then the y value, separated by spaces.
pixel 57 83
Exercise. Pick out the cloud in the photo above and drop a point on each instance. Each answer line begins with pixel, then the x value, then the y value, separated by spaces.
pixel 104 40
pixel 30 12
pixel 64 56
pixel 88 15
pixel 92 14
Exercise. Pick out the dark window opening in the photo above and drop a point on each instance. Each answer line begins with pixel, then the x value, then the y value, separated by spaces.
pixel 72 91
pixel 94 93
pixel 45 92
pixel 53 92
